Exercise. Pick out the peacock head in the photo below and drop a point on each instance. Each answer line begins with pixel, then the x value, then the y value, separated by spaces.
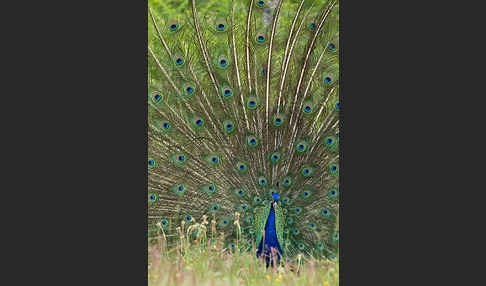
pixel 275 196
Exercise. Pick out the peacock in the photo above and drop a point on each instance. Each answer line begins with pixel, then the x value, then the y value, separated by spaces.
pixel 243 126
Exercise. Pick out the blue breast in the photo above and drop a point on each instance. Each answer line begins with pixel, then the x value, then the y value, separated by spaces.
pixel 270 238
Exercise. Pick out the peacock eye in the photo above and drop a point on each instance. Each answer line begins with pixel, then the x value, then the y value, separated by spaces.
pixel 179 61
pixel 260 3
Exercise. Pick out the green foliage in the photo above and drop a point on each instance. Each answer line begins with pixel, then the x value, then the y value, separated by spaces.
pixel 209 265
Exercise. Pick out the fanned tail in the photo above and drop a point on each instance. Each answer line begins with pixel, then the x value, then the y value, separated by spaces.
pixel 242 108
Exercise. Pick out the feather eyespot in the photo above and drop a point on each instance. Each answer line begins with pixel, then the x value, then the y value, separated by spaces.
pixel 333 193
pixel 179 189
pixel 262 181
pixel 151 163
pixel 306 194
pixel 307 171
pixel 326 213
pixel 179 159
pixel 226 91
pixel 156 97
pixel 252 103
pixel 278 120
pixel 221 26
pixel 302 146
pixel 308 107
pixel 312 26
pixel 228 126
pixel 328 79
pixel 275 157
pixel 152 197
pixel 173 26
pixel 197 121
pixel 239 192
pixel 164 223
pixel 241 167
pixel 165 126
pixel 222 62
pixel 334 169
pixel 188 90
pixel 260 3
pixel 213 160
pixel 179 60
pixel 287 181
pixel 252 141
pixel 210 189
pixel 260 38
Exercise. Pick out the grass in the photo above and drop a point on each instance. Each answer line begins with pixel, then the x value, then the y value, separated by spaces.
pixel 204 263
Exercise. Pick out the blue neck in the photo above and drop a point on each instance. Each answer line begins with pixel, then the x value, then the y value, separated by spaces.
pixel 271 240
